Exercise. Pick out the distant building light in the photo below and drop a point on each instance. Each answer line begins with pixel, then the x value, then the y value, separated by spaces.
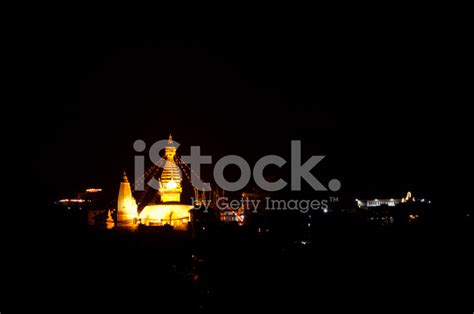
pixel 412 217
pixel 71 201
pixel 93 190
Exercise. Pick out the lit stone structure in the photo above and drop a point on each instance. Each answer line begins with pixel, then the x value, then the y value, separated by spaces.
pixel 170 211
pixel 126 204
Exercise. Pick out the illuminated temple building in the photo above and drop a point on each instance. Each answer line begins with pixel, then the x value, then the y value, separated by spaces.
pixel 392 202
pixel 126 204
pixel 170 211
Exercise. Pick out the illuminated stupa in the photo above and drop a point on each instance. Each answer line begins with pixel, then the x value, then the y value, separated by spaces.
pixel 170 211
pixel 126 204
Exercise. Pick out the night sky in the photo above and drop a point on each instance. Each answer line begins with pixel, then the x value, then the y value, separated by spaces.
pixel 375 101
pixel 385 98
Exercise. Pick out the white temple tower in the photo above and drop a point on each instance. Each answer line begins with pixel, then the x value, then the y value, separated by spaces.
pixel 170 181
pixel 126 204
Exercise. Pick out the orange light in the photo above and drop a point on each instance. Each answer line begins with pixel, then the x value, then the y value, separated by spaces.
pixel 93 190
pixel 412 217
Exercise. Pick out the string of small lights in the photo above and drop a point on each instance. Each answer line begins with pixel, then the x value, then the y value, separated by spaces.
pixel 189 168
pixel 186 173
pixel 153 171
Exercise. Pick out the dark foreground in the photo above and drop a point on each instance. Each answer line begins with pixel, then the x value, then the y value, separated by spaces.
pixel 230 268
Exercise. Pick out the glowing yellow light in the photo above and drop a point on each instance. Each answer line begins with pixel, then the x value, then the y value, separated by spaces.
pixel 170 188
pixel 176 215
pixel 172 185
pixel 126 203
pixel 407 198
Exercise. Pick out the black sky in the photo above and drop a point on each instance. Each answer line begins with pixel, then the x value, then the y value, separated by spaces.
pixel 376 101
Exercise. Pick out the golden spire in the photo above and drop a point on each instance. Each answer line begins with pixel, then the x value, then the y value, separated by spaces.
pixel 125 178
pixel 170 190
